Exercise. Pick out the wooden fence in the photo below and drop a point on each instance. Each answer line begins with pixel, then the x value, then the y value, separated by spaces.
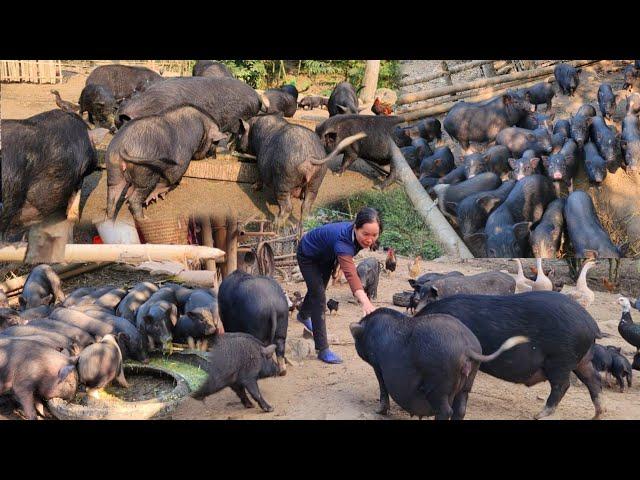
pixel 32 71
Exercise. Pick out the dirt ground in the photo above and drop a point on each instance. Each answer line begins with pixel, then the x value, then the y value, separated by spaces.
pixel 314 390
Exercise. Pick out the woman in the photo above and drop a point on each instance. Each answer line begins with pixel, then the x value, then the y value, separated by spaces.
pixel 318 252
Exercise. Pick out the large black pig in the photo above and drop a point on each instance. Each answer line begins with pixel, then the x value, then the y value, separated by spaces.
pixel 375 147
pixel 151 154
pixel 100 105
pixel 209 68
pixel 472 212
pixel 343 100
pixel 567 77
pixel 481 122
pixel 44 161
pixel 291 160
pixel 281 100
pixel 139 294
pixel 630 142
pixel 256 305
pixel 561 335
pixel 427 365
pixel 122 80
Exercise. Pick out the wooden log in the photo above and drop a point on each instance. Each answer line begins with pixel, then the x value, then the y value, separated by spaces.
pixel 488 70
pixel 452 70
pixel 207 241
pixel 484 82
pixel 446 106
pixel 119 253
pixel 219 227
pixel 426 208
pixel 232 242
pixel 472 93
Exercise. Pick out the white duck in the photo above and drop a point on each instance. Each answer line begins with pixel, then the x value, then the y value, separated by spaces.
pixel 523 284
pixel 583 294
pixel 542 281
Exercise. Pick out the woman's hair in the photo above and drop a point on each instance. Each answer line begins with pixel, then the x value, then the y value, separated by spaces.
pixel 369 215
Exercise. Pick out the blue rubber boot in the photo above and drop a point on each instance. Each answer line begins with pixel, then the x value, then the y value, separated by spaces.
pixel 328 356
pixel 308 326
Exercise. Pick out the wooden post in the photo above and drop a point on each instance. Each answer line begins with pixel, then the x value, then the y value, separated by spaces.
pixel 370 81
pixel 232 242
pixel 220 239
pixel 447 75
pixel 488 70
pixel 207 241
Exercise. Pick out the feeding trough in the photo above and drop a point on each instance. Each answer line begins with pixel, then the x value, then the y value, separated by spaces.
pixel 155 391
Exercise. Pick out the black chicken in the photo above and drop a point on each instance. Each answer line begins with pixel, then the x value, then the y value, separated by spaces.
pixel 332 305
pixel 628 330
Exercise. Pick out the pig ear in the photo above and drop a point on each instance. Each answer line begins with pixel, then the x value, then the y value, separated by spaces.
pixel 174 315
pixel 488 203
pixel 356 329
pixel 522 230
pixel 412 282
pixel 343 109
pixel 215 134
pixel 512 163
pixel 552 116
pixel 65 371
pixel 545 161
pixel 433 291
pixel 534 162
pixel 75 349
pixel 453 206
pixel 268 351
pixel 22 302
pixel 531 137
pixel 123 336
pixel 477 241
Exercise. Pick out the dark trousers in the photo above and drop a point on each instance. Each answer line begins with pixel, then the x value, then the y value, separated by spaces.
pixel 316 276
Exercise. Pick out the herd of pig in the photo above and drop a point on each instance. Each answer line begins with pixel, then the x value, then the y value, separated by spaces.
pixel 164 123
pixel 427 363
pixel 508 200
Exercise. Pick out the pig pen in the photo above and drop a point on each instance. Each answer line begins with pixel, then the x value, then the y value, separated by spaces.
pixel 617 200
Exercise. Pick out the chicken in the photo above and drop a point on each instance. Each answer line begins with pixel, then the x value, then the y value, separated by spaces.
pixel 628 330
pixel 414 268
pixel 64 105
pixel 542 282
pixel 390 262
pixel 611 287
pixel 523 284
pixel 380 108
pixel 296 301
pixel 583 294
pixel 332 305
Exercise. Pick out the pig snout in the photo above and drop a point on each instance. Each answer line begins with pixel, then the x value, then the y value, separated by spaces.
pixel 557 176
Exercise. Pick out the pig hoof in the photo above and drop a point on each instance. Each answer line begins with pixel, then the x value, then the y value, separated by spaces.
pixel 248 404
pixel 268 409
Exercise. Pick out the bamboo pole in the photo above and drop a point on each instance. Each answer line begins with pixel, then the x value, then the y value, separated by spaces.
pixel 119 253
pixel 483 82
pixel 207 241
pixel 232 242
pixel 425 207
pixel 220 238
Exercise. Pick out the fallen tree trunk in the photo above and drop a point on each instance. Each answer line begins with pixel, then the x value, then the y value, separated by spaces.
pixel 484 82
pixel 80 253
pixel 426 208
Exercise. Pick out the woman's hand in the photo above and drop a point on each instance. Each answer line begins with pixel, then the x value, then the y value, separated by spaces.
pixel 367 306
